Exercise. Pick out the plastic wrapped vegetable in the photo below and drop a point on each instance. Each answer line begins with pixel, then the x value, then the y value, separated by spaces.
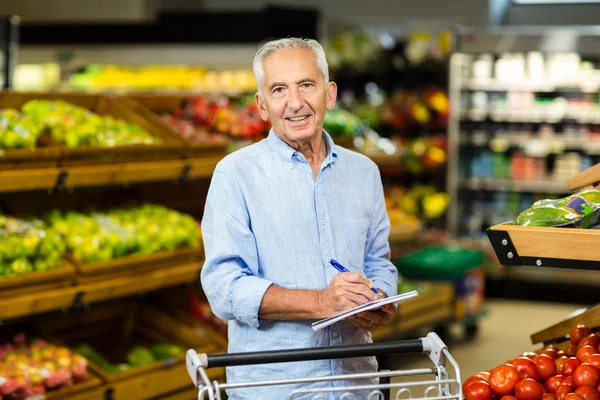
pixel 570 212
pixel 139 356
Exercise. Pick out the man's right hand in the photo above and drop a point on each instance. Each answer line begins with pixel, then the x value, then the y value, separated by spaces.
pixel 347 290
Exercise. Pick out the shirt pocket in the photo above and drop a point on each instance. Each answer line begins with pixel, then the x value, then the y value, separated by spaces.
pixel 355 236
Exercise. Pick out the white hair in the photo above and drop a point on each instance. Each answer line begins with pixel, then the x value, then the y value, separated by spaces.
pixel 285 44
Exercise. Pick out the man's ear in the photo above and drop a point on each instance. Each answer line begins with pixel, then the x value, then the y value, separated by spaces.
pixel 331 95
pixel 262 107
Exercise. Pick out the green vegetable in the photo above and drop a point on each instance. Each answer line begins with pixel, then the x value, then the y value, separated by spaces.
pixel 92 355
pixel 163 351
pixel 592 196
pixel 139 356
pixel 547 216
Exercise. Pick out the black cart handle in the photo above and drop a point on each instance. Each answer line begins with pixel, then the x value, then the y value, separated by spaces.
pixel 316 353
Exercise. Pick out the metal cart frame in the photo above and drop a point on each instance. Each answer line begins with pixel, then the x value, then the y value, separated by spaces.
pixel 441 387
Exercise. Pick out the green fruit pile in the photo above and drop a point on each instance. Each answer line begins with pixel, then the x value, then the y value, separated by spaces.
pixel 28 246
pixel 122 232
pixel 75 126
pixel 338 122
pixel 136 357
pixel 18 131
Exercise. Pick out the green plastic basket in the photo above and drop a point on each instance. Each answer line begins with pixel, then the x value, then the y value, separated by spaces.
pixel 439 263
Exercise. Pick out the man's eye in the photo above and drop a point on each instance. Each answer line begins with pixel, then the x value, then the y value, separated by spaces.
pixel 278 90
pixel 306 85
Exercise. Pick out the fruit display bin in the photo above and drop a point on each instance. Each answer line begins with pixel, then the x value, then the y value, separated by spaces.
pixel 112 329
pixel 43 155
pixel 134 264
pixel 150 105
pixel 34 282
pixel 169 148
pixel 28 331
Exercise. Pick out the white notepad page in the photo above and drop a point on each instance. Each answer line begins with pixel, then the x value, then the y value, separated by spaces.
pixel 318 325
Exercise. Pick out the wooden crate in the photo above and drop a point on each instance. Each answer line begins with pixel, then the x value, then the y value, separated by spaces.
pixel 150 105
pixel 558 333
pixel 112 329
pixel 170 148
pixel 44 155
pixel 35 282
pixel 135 264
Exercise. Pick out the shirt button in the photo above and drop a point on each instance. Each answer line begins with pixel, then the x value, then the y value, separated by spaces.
pixel 291 166
pixel 322 222
pixel 299 158
pixel 335 334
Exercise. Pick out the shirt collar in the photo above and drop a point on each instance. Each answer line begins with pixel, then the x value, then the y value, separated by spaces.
pixel 286 152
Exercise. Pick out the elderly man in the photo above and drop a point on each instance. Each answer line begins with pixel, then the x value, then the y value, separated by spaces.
pixel 277 212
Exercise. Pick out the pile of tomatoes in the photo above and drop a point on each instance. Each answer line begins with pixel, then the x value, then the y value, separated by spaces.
pixel 548 374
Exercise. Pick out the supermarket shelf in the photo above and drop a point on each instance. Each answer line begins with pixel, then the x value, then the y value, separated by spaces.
pixel 50 300
pixel 103 175
pixel 385 160
pixel 529 117
pixel 509 185
pixel 551 146
pixel 590 317
pixel 540 87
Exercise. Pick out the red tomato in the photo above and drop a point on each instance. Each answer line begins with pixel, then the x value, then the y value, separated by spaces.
pixel 594 360
pixel 573 396
pixel 570 366
pixel 548 396
pixel 478 391
pixel 598 386
pixel 578 333
pixel 591 340
pixel 568 381
pixel 585 375
pixel 588 393
pixel 584 352
pixel 529 354
pixel 560 353
pixel 560 363
pixel 562 391
pixel 545 366
pixel 553 383
pixel 503 380
pixel 474 378
pixel 528 389
pixel 485 375
pixel 553 354
pixel 571 351
pixel 527 368
pixel 508 398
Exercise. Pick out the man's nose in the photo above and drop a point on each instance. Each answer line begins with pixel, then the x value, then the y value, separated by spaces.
pixel 295 100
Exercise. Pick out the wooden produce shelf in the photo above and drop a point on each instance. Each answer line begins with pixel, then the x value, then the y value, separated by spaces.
pixel 589 318
pixel 15 180
pixel 404 232
pixel 203 167
pixel 56 299
pixel 431 308
pixel 546 247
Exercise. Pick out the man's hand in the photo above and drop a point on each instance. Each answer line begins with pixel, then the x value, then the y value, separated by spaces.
pixel 372 320
pixel 347 290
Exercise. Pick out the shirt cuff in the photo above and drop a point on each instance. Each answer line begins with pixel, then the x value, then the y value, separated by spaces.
pixel 247 296
pixel 390 290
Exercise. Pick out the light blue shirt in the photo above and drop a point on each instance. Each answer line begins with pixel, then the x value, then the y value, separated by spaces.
pixel 267 221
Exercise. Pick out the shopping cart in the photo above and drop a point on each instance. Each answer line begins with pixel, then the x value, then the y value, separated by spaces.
pixel 436 382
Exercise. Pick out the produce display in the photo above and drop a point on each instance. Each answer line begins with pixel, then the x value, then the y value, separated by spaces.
pixel 112 77
pixel 581 210
pixel 137 356
pixel 547 374
pixel 339 122
pixel 28 246
pixel 18 131
pixel 103 236
pixel 410 205
pixel 203 118
pixel 200 309
pixel 75 126
pixel 35 367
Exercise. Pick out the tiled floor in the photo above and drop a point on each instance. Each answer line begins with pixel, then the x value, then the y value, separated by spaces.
pixel 503 333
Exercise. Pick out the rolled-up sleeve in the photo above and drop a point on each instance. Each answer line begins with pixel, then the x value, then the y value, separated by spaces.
pixel 378 267
pixel 229 275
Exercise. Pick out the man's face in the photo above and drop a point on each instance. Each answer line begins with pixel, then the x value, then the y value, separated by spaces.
pixel 295 96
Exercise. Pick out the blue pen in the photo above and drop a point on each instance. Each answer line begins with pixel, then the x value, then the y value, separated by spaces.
pixel 341 268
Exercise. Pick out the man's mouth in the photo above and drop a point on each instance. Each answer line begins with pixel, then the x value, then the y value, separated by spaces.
pixel 302 118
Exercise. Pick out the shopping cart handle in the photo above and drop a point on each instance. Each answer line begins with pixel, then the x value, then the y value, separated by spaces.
pixel 315 353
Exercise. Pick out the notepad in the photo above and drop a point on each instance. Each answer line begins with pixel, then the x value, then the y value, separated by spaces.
pixel 318 325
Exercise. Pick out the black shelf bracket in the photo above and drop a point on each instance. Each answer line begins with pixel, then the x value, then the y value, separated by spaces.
pixel 504 248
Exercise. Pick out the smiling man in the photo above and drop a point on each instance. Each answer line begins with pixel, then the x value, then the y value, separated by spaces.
pixel 277 212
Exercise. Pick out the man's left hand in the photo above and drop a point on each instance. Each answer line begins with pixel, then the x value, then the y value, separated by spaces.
pixel 372 320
